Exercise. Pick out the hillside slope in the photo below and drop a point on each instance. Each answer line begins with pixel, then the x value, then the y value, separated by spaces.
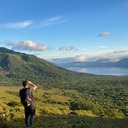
pixel 15 67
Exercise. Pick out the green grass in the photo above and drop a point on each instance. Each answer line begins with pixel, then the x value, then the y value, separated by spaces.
pixel 53 111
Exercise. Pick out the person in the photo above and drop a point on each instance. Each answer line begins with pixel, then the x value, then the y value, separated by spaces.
pixel 27 101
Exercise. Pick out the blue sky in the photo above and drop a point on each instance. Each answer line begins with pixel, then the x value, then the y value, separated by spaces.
pixel 81 30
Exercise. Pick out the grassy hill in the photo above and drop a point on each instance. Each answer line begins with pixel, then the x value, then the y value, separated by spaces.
pixel 15 67
pixel 63 98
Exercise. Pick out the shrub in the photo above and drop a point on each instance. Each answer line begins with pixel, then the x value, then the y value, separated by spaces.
pixel 12 103
pixel 74 105
pixel 84 125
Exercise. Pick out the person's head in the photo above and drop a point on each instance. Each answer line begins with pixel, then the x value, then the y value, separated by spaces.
pixel 25 83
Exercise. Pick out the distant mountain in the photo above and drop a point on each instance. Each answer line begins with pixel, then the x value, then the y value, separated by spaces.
pixel 16 67
pixel 98 63
pixel 64 60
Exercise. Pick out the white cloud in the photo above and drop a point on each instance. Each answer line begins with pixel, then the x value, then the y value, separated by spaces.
pixel 26 23
pixel 104 34
pixel 120 51
pixel 109 55
pixel 17 24
pixel 103 47
pixel 81 57
pixel 67 48
pixel 27 45
pixel 53 21
pixel 112 55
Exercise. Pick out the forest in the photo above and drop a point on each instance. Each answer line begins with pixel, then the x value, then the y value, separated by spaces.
pixel 96 102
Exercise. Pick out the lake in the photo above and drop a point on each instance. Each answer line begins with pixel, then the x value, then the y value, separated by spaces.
pixel 114 71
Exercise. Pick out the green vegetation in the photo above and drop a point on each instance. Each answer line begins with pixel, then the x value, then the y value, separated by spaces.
pixel 66 108
pixel 64 98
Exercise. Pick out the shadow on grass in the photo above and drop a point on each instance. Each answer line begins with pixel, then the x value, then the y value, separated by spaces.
pixel 66 121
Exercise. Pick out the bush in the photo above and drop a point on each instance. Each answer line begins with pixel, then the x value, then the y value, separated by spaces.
pixel 12 104
pixel 84 125
pixel 81 105
pixel 74 105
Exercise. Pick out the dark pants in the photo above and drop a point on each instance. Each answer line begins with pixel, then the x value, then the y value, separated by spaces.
pixel 29 112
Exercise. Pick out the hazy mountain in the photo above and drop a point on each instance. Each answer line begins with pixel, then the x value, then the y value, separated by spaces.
pixel 62 60
pixel 15 67
pixel 97 63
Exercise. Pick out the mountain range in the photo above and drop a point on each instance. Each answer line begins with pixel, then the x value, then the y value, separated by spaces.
pixel 98 63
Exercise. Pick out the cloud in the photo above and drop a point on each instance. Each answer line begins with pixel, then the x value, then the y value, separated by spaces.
pixel 67 48
pixel 114 55
pixel 52 21
pixel 27 45
pixel 103 47
pixel 104 34
pixel 22 24
pixel 111 56
pixel 40 24
pixel 81 57
pixel 120 51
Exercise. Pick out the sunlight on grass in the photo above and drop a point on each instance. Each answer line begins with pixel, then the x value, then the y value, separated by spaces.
pixel 53 111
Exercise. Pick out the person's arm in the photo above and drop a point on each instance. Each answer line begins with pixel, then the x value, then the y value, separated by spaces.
pixel 34 86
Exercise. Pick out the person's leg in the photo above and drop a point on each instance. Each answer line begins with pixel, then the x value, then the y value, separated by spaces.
pixel 32 119
pixel 26 116
pixel 32 115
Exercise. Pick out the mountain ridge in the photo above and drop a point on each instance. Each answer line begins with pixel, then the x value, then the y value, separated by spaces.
pixel 98 63
pixel 16 67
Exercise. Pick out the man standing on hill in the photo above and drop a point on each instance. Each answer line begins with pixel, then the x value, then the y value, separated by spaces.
pixel 26 98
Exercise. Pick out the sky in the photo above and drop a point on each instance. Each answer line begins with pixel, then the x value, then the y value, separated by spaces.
pixel 73 30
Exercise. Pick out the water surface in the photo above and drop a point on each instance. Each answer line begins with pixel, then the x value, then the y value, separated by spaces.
pixel 114 71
